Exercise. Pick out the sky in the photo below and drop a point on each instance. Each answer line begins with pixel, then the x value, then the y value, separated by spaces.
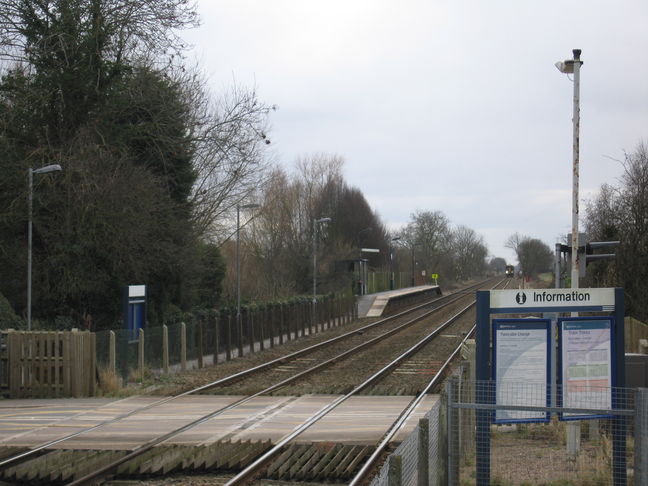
pixel 449 105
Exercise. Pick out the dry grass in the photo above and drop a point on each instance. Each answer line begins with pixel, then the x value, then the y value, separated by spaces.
pixel 534 454
pixel 109 382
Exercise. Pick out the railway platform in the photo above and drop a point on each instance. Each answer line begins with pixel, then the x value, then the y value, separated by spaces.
pixel 373 305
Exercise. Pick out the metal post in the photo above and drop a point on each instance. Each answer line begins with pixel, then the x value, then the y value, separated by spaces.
pixel 238 279
pixel 314 263
pixel 557 265
pixel 30 176
pixel 482 362
pixel 575 168
pixel 423 452
pixel 641 437
pixel 413 279
pixel 30 173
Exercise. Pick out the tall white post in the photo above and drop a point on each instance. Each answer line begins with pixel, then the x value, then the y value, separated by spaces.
pixel 575 169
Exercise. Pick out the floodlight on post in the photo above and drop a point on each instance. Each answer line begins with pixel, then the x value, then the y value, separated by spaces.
pixel 572 66
pixel 238 273
pixel 391 261
pixel 30 189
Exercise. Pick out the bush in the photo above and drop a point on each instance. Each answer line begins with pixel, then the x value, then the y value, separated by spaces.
pixel 8 318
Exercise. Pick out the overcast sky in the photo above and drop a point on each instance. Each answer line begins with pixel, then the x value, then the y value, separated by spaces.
pixel 449 105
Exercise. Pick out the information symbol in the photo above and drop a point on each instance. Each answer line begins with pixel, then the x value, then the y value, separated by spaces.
pixel 520 298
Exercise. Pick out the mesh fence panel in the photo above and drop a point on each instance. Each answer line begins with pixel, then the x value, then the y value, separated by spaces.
pixel 586 435
pixel 409 451
pixel 434 449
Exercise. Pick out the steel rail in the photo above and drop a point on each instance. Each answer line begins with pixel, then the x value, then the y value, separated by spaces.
pixel 37 450
pixel 364 471
pixel 158 440
pixel 252 468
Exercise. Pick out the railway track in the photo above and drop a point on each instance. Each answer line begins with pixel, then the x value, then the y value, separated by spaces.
pixel 337 356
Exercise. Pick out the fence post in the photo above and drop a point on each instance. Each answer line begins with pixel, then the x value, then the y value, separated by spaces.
pixel 183 346
pixel 272 319
pixel 282 322
pixel 423 452
pixel 228 337
pixel 165 348
pixel 239 332
pixel 641 437
pixel 112 352
pixel 452 433
pixel 140 346
pixel 199 339
pixel 394 473
pixel 250 316
pixel 215 316
pixel 261 314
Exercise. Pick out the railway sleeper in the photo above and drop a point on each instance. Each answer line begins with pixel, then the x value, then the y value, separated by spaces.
pixel 318 462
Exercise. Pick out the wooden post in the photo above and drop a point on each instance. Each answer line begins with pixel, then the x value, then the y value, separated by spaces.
pixel 199 342
pixel 165 348
pixel 272 318
pixel 281 323
pixel 250 329
pixel 183 346
pixel 112 352
pixel 262 322
pixel 216 321
pixel 140 355
pixel 228 338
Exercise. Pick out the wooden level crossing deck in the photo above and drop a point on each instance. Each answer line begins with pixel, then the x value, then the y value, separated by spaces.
pixel 360 420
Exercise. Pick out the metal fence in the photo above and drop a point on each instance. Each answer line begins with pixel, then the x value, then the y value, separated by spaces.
pixel 218 336
pixel 419 459
pixel 513 434
pixel 519 434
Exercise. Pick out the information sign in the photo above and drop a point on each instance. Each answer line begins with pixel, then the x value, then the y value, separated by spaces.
pixel 586 351
pixel 546 300
pixel 521 367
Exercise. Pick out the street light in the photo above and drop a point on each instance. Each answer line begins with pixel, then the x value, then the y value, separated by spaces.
pixel 572 66
pixel 315 223
pixel 391 262
pixel 361 261
pixel 238 273
pixel 31 172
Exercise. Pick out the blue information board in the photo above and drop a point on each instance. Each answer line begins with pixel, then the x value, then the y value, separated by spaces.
pixel 521 368
pixel 134 310
pixel 586 367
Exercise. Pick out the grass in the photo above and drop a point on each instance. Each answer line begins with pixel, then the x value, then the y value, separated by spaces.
pixel 534 454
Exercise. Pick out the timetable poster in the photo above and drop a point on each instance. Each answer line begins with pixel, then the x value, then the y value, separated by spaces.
pixel 521 368
pixel 586 364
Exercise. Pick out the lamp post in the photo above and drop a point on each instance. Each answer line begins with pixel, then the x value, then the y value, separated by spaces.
pixel 238 273
pixel 572 66
pixel 30 185
pixel 413 276
pixel 391 262
pixel 315 223
pixel 361 272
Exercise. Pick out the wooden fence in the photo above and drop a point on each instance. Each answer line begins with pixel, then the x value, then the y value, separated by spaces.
pixel 636 336
pixel 47 364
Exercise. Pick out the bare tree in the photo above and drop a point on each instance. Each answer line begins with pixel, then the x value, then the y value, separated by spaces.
pixel 230 157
